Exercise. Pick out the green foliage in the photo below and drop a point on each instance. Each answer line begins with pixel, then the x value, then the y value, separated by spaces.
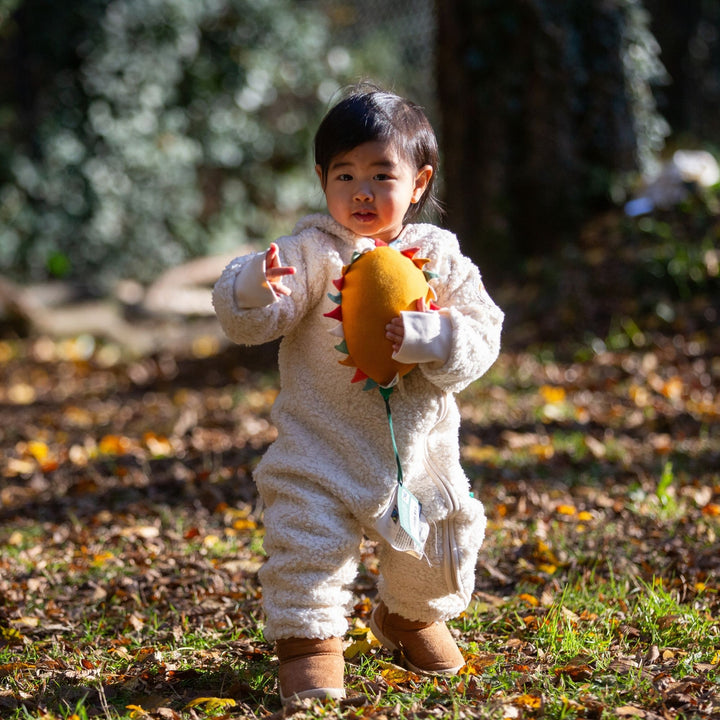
pixel 663 489
pixel 680 249
pixel 153 130
pixel 149 131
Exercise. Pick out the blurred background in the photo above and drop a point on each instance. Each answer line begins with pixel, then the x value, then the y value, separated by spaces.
pixel 138 136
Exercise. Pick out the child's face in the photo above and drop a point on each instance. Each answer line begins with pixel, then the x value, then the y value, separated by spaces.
pixel 370 188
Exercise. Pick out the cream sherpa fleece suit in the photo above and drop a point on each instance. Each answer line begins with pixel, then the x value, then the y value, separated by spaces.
pixel 331 470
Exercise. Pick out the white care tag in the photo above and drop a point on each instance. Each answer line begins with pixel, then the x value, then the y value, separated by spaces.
pixel 403 524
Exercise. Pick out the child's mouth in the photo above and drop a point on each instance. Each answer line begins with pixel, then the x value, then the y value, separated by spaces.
pixel 364 216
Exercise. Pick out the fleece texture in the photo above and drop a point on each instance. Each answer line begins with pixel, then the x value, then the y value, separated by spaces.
pixel 331 471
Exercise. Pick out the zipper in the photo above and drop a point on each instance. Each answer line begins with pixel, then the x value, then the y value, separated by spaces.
pixel 450 554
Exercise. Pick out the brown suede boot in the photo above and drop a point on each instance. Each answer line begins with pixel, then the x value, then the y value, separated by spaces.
pixel 310 668
pixel 428 648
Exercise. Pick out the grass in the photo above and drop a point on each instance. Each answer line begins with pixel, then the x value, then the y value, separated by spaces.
pixel 596 647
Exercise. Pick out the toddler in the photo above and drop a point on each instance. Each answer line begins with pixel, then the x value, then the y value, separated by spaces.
pixel 329 476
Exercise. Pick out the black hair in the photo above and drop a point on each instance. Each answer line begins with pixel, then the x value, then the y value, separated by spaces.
pixel 369 114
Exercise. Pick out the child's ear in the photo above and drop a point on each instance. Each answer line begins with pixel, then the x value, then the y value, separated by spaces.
pixel 422 179
pixel 319 173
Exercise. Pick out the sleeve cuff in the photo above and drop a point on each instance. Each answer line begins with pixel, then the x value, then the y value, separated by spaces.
pixel 251 288
pixel 428 337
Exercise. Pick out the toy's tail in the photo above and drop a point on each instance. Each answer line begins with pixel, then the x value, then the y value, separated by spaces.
pixel 386 392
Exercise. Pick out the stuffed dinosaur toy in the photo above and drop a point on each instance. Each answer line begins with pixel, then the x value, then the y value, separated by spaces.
pixel 376 286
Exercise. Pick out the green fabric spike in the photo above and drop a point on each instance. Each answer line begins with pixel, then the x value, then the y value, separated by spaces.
pixel 430 275
pixel 355 256
pixel 342 347
pixel 337 299
pixel 370 384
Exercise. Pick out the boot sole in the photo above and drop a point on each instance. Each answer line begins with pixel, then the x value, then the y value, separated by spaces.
pixel 319 693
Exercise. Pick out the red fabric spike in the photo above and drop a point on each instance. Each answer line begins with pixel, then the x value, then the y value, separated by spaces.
pixel 359 376
pixel 339 283
pixel 409 252
pixel 335 314
pixel 379 243
pixel 434 305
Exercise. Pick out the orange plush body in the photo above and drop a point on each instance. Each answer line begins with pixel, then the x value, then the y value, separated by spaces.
pixel 374 288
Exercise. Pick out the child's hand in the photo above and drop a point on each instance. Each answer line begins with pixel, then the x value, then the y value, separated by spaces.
pixel 274 272
pixel 395 329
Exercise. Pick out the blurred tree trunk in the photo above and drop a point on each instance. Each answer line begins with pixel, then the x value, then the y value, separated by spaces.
pixel 536 119
pixel 689 35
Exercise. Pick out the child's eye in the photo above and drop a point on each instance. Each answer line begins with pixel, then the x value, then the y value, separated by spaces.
pixel 382 176
pixel 344 177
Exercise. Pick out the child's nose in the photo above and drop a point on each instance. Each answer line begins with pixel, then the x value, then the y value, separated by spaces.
pixel 363 192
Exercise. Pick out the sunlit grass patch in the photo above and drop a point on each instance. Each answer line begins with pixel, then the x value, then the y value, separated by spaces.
pixel 600 642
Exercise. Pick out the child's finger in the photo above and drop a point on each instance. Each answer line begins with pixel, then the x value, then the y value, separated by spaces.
pixel 395 331
pixel 274 272
pixel 421 305
pixel 279 271
pixel 272 256
pixel 281 289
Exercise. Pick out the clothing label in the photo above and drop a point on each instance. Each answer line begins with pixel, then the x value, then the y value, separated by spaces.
pixel 403 524
pixel 409 512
